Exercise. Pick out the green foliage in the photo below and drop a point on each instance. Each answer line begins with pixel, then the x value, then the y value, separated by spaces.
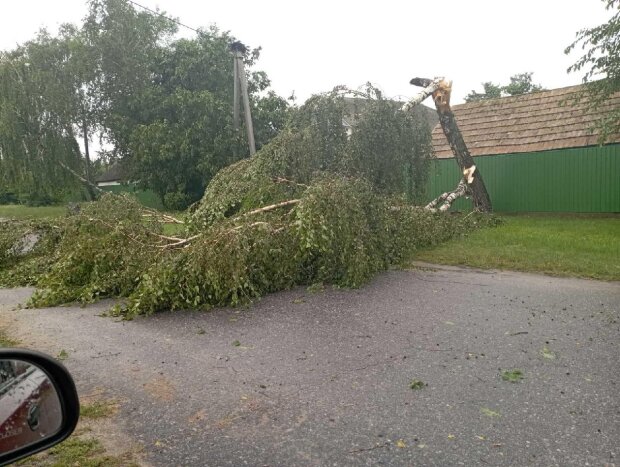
pixel 35 131
pixel 177 201
pixel 21 265
pixel 512 376
pixel 601 63
pixel 341 232
pixel 392 149
pixel 164 106
pixel 103 252
pixel 228 265
pixel 491 91
pixel 242 186
pixel 175 127
pixel 416 384
pixel 314 206
pixel 520 84
pixel 340 225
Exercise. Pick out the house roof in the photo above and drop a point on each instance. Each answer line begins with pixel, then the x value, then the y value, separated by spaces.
pixel 532 122
pixel 354 105
pixel 115 173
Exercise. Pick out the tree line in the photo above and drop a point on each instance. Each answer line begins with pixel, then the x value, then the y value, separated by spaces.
pixel 162 104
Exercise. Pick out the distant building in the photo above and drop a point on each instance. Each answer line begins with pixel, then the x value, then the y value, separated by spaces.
pixel 355 105
pixel 115 175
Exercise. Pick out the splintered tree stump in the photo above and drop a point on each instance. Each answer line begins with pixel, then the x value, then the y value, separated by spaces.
pixel 475 184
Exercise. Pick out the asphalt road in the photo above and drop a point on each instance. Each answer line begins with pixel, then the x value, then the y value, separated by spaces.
pixel 324 379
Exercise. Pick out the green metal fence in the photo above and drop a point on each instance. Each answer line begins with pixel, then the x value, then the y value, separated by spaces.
pixel 565 180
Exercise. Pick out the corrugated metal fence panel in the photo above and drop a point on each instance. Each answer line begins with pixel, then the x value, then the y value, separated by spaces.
pixel 566 180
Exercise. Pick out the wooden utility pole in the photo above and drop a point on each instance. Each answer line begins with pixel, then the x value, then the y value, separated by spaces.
pixel 236 90
pixel 241 84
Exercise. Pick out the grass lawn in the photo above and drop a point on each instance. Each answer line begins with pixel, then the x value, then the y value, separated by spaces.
pixel 18 211
pixel 579 246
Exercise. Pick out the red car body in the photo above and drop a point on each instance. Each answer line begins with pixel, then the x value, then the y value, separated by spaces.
pixel 29 406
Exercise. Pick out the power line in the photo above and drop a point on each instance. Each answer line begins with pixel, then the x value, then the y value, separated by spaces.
pixel 164 16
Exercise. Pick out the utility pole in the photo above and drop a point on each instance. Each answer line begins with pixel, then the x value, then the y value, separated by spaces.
pixel 241 84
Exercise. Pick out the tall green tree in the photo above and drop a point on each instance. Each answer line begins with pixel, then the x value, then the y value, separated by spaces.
pixel 490 91
pixel 163 106
pixel 121 46
pixel 186 135
pixel 601 64
pixel 38 146
pixel 520 84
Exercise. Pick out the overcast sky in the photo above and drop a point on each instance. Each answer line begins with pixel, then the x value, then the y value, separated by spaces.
pixel 311 46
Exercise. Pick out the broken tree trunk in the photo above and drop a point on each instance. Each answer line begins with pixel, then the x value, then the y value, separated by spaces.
pixel 87 167
pixel 448 198
pixel 441 96
pixel 429 88
pixel 86 182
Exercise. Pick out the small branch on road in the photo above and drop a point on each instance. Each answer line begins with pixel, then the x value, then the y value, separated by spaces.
pixel 378 446
pixel 107 355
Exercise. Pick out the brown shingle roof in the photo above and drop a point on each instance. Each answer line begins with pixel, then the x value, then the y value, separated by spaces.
pixel 532 122
pixel 115 173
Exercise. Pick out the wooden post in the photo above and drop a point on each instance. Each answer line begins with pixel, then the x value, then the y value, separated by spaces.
pixel 238 50
pixel 236 96
pixel 246 104
pixel 236 107
pixel 441 96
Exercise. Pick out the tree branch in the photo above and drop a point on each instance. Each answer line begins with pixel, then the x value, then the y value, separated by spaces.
pixel 430 86
pixel 287 181
pixel 448 198
pixel 82 179
pixel 163 216
pixel 184 242
pixel 271 207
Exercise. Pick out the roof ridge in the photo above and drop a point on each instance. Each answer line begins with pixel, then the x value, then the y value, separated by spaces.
pixel 529 95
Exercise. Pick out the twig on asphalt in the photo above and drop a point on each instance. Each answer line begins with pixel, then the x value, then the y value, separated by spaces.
pixel 378 446
pixel 107 355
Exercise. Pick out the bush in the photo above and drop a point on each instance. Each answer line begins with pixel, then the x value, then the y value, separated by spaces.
pixel 38 199
pixel 8 198
pixel 177 201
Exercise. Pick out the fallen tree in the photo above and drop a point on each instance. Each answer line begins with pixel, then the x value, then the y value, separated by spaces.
pixel 310 207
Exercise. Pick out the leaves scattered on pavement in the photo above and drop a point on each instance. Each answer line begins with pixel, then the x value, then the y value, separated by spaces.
pixel 490 413
pixel 547 353
pixel 417 384
pixel 513 376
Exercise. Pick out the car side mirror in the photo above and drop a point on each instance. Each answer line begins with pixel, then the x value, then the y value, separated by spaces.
pixel 39 405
